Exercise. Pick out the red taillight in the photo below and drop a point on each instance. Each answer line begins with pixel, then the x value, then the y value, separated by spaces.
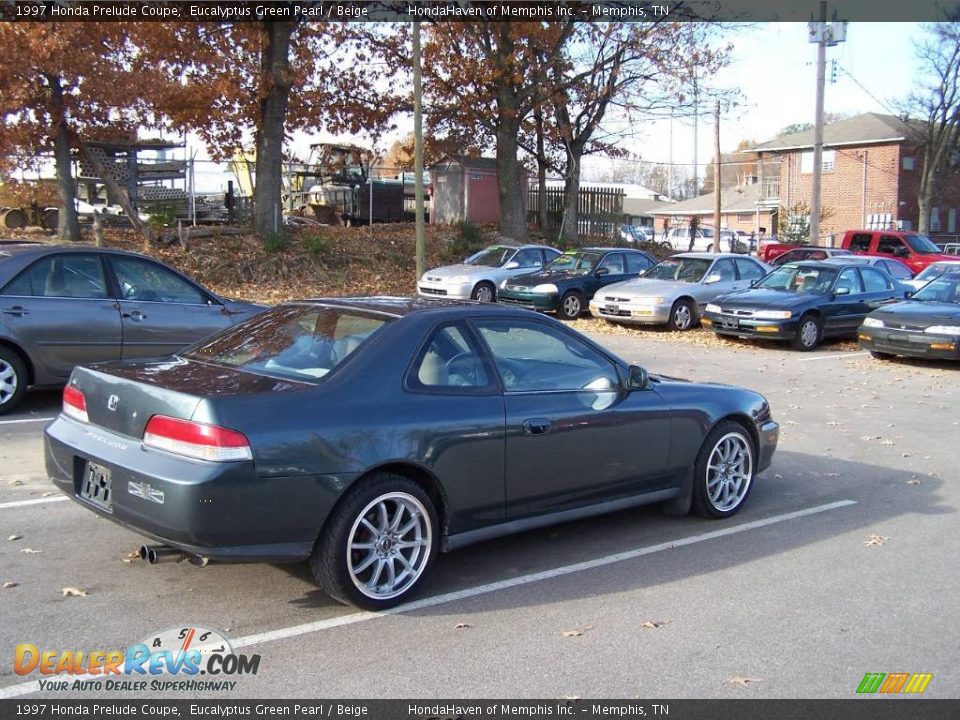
pixel 75 404
pixel 196 440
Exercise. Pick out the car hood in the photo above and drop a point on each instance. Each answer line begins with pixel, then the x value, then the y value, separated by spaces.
pixel 448 271
pixel 642 287
pixel 919 312
pixel 241 310
pixel 759 298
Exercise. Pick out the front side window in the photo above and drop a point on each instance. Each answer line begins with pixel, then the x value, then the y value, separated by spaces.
pixel 496 256
pixel 449 360
pixel 800 279
pixel 678 268
pixel 300 342
pixel 145 281
pixel 613 264
pixel 725 270
pixel 849 280
pixel 896 269
pixel 637 263
pixel 528 258
pixel 889 245
pixel 531 356
pixel 749 270
pixel 68 276
pixel 579 263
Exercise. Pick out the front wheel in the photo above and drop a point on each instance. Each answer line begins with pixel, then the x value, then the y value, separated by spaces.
pixel 723 472
pixel 378 543
pixel 13 379
pixel 484 292
pixel 683 316
pixel 808 333
pixel 571 305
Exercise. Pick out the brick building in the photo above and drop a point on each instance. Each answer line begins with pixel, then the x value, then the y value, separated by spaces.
pixel 871 173
pixel 741 208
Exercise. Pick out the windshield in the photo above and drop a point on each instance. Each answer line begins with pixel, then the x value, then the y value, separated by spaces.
pixel 492 257
pixel 799 279
pixel 936 270
pixel 945 288
pixel 922 244
pixel 682 269
pixel 579 263
pixel 300 342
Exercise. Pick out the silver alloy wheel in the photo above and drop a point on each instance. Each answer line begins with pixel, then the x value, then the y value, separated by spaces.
pixel 729 471
pixel 389 545
pixel 682 319
pixel 483 293
pixel 8 382
pixel 809 333
pixel 571 306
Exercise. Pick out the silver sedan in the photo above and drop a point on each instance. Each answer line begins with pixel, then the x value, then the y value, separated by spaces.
pixel 479 276
pixel 675 291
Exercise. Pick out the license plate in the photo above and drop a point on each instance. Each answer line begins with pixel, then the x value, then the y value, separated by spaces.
pixel 611 308
pixel 730 323
pixel 97 486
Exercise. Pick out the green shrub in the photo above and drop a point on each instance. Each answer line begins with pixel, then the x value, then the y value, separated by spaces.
pixel 467 241
pixel 276 242
pixel 316 245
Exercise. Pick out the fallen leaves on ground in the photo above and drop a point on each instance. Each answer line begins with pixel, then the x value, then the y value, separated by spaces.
pixel 572 633
pixel 10 584
pixel 15 483
pixel 31 551
pixel 462 626
pixel 653 624
pixel 913 481
pixel 132 556
pixel 74 592
pixel 14 537
pixel 875 540
pixel 743 680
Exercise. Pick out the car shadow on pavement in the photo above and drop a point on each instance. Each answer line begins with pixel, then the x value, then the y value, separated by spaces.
pixel 796 482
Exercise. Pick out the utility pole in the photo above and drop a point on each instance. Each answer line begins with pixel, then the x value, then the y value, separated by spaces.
pixel 418 153
pixel 670 165
pixel 696 129
pixel 716 178
pixel 822 34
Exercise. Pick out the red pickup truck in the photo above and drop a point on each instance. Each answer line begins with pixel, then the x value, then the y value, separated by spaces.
pixel 912 249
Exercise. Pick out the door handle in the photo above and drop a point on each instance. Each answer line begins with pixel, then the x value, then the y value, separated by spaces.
pixel 16 311
pixel 136 316
pixel 536 426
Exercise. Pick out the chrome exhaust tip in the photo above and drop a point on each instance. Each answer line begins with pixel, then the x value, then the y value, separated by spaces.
pixel 160 553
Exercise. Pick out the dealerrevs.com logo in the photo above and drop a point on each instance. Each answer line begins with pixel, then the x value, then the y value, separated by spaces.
pixel 187 659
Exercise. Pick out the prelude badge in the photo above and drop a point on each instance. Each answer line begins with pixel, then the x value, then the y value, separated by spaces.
pixel 143 490
pixel 112 403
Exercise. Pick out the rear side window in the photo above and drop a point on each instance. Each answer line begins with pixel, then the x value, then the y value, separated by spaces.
pixel 896 270
pixel 860 242
pixel 449 360
pixel 873 280
pixel 67 276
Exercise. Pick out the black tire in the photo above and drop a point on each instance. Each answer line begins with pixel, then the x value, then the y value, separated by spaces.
pixel 809 333
pixel 329 560
pixel 710 505
pixel 880 355
pixel 571 305
pixel 484 292
pixel 13 379
pixel 683 316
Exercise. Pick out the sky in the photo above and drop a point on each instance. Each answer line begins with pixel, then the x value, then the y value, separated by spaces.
pixel 774 67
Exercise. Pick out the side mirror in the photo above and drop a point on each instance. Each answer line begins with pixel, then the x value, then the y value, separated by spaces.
pixel 512 265
pixel 602 271
pixel 638 380
pixel 710 279
pixel 842 291
pixel 908 294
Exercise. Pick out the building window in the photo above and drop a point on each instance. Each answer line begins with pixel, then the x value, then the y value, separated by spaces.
pixel 935 219
pixel 909 163
pixel 827 164
pixel 952 220
pixel 744 217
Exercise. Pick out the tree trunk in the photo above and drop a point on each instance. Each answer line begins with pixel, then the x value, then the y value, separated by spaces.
pixel 543 217
pixel 925 193
pixel 120 193
pixel 275 85
pixel 68 225
pixel 513 221
pixel 571 194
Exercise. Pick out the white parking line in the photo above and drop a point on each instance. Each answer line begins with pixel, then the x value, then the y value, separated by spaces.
pixel 308 628
pixel 36 501
pixel 834 356
pixel 27 420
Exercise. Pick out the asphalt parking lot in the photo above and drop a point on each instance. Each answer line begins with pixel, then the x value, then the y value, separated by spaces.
pixel 842 562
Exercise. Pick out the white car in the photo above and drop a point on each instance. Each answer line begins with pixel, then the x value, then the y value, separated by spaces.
pixel 931 272
pixel 679 239
pixel 479 276
pixel 675 291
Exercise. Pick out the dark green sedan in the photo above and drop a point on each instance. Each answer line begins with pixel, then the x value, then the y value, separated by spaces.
pixel 366 435
pixel 567 284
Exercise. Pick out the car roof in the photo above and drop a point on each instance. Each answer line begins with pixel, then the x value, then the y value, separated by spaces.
pixel 605 249
pixel 857 259
pixel 711 256
pixel 828 263
pixel 525 246
pixel 35 250
pixel 401 306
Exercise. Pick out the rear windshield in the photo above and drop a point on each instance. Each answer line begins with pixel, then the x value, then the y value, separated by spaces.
pixel 300 342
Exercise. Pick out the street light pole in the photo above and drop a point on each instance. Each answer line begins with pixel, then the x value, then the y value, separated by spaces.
pixel 818 128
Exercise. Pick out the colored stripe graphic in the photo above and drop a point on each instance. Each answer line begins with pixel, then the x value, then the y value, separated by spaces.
pixel 871 682
pixel 918 682
pixel 894 682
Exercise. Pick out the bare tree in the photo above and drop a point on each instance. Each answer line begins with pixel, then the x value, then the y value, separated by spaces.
pixel 936 107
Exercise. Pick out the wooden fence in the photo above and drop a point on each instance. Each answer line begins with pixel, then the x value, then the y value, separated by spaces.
pixel 599 210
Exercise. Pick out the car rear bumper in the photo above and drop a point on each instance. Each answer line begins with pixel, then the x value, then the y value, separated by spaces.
pixel 750 327
pixel 914 344
pixel 220 510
